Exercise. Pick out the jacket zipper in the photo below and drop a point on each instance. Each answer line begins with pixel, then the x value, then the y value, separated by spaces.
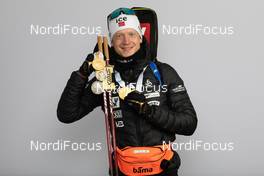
pixel 139 132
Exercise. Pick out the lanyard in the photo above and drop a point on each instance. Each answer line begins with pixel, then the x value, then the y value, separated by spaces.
pixel 122 83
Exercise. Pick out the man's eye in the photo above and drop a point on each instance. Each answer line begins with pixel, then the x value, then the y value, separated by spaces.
pixel 132 34
pixel 119 36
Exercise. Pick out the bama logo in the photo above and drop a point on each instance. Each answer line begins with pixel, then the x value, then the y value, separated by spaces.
pixel 121 21
pixel 142 170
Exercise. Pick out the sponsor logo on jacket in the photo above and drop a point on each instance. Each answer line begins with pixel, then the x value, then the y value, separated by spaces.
pixel 154 102
pixel 116 102
pixel 152 95
pixel 179 88
pixel 119 124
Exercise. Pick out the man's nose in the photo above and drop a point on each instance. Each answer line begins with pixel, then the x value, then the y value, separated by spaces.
pixel 126 39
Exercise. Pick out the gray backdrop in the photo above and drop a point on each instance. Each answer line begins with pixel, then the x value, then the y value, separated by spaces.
pixel 223 74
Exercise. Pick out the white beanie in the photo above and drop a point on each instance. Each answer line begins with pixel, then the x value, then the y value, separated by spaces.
pixel 123 21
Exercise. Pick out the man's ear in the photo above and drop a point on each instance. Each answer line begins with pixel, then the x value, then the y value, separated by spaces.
pixel 141 40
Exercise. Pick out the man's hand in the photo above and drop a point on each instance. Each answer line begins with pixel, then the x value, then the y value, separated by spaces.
pixel 86 69
pixel 137 101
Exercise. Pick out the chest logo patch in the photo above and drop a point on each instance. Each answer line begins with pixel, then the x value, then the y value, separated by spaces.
pixel 117 114
pixel 152 95
pixel 119 124
pixel 156 103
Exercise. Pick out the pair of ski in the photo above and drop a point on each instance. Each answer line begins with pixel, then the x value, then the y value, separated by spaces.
pixel 108 86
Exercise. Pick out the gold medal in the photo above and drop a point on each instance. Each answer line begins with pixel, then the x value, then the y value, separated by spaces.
pixel 100 75
pixel 97 87
pixel 123 92
pixel 98 62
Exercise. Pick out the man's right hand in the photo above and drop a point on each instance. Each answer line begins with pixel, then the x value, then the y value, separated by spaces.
pixel 86 69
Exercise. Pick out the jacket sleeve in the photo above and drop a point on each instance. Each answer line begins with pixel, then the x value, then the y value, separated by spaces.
pixel 77 100
pixel 178 116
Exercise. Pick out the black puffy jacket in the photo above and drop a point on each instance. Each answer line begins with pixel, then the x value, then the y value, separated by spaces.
pixel 173 113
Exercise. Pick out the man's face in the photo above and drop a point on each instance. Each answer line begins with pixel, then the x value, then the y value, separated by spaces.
pixel 126 42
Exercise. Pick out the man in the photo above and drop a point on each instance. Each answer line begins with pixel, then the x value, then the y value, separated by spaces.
pixel 147 117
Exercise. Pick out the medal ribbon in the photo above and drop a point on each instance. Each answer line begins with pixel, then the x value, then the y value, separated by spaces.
pixel 123 84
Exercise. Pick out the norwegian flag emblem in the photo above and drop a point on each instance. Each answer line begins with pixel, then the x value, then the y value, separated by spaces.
pixel 121 23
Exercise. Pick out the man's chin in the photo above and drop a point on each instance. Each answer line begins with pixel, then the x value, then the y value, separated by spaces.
pixel 126 54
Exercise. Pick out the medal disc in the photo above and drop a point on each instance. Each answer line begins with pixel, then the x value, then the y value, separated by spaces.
pixel 123 92
pixel 100 75
pixel 98 64
pixel 97 87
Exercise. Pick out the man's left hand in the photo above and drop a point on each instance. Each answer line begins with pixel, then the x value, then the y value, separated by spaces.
pixel 137 101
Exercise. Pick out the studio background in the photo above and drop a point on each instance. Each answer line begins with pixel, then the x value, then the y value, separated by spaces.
pixel 223 75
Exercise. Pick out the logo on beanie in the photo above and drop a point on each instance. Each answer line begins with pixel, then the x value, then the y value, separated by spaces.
pixel 121 21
